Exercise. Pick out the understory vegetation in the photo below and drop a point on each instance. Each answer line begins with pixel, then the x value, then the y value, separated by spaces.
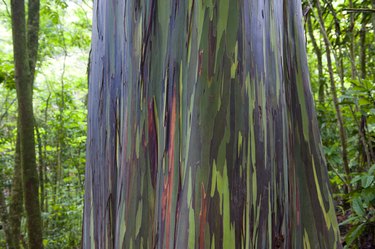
pixel 340 46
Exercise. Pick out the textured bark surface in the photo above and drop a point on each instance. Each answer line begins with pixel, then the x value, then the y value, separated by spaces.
pixel 4 225
pixel 202 131
pixel 24 75
pixel 16 202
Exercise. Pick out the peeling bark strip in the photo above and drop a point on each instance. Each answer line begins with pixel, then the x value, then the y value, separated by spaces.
pixel 202 129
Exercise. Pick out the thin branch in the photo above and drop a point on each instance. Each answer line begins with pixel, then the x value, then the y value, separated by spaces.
pixel 33 34
pixel 6 111
pixel 6 7
pixel 350 10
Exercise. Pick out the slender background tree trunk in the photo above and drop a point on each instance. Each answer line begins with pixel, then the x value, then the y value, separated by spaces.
pixel 16 202
pixel 340 120
pixel 24 46
pixel 318 52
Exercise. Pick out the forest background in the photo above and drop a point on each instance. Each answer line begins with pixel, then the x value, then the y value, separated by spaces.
pixel 340 47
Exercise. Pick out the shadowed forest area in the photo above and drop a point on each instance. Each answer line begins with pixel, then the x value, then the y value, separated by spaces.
pixel 43 119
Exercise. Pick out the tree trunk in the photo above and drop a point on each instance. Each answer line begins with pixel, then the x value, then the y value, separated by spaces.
pixel 351 33
pixel 23 59
pixel 4 218
pixel 318 53
pixel 16 202
pixel 46 180
pixel 41 167
pixel 202 131
pixel 340 120
pixel 362 35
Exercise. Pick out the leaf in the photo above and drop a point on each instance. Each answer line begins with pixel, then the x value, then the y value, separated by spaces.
pixel 348 221
pixel 45 242
pixel 367 180
pixel 358 207
pixel 368 195
pixel 355 179
pixel 371 170
pixel 354 233
pixel 363 101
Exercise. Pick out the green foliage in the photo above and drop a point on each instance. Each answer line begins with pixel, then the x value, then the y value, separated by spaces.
pixel 7 74
pixel 60 93
pixel 351 35
pixel 362 199
pixel 65 223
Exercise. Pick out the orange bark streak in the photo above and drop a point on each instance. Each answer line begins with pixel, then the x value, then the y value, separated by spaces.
pixel 168 184
pixel 202 215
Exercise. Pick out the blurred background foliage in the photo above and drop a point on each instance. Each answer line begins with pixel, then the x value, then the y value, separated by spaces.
pixel 60 98
pixel 349 28
pixel 340 46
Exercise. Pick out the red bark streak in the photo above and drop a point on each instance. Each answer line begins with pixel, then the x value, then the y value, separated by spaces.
pixel 152 142
pixel 168 184
pixel 202 216
pixel 211 51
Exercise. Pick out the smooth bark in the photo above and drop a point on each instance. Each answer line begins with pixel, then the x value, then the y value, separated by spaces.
pixel 202 131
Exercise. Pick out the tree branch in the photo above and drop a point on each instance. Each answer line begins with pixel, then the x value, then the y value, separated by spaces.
pixel 33 34
pixel 349 10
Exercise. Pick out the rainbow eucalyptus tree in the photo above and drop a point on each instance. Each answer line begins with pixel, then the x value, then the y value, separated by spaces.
pixel 201 130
